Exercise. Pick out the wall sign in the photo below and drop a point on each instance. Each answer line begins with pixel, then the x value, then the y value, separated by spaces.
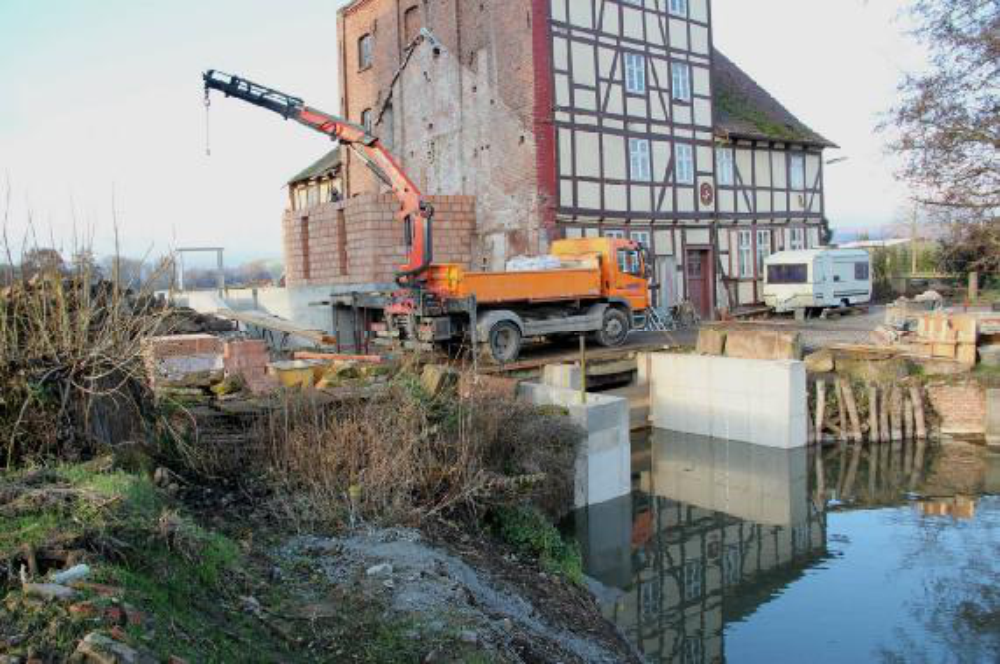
pixel 707 194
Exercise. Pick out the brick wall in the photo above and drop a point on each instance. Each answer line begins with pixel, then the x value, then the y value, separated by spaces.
pixel 961 407
pixel 360 241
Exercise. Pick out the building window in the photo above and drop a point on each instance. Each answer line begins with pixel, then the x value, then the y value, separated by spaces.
pixel 724 156
pixel 797 171
pixel 746 255
pixel 684 163
pixel 411 24
pixel 763 249
pixel 861 271
pixel 638 153
pixel 679 7
pixel 692 650
pixel 365 52
pixel 642 237
pixel 798 239
pixel 692 580
pixel 680 74
pixel 635 73
pixel 366 120
pixel 615 235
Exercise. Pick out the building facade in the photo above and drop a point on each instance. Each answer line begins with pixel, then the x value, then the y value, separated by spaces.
pixel 579 118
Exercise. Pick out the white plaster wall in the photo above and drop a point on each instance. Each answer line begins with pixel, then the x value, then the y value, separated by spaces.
pixel 754 401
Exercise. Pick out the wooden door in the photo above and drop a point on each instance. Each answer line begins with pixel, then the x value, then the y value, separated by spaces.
pixel 699 281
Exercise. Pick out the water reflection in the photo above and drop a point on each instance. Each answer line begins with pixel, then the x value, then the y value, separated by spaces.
pixel 728 551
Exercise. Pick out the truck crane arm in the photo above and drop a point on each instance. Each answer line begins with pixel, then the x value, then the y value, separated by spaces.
pixel 415 213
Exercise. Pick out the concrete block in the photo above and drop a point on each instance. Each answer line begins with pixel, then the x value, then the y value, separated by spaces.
pixel 567 376
pixel 763 345
pixel 757 401
pixel 603 468
pixel 993 418
pixel 711 341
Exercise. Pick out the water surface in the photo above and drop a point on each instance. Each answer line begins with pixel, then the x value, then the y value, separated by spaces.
pixel 728 552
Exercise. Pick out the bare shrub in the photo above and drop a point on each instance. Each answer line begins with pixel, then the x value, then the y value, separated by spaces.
pixel 71 367
pixel 402 456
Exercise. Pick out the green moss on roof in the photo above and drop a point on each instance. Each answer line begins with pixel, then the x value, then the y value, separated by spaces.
pixel 740 108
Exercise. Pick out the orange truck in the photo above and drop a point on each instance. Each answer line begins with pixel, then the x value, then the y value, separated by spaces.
pixel 600 287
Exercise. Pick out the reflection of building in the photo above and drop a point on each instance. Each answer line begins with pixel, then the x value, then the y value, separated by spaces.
pixel 688 570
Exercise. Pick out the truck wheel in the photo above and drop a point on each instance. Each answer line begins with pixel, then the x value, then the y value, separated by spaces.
pixel 614 330
pixel 505 341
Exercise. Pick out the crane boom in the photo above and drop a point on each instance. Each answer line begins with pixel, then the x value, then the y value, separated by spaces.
pixel 415 213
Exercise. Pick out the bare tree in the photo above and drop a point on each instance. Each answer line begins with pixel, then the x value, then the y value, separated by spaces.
pixel 947 123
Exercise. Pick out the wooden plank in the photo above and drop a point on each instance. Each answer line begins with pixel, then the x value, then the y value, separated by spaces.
pixel 276 324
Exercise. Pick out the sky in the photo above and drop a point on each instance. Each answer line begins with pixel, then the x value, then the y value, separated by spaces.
pixel 103 126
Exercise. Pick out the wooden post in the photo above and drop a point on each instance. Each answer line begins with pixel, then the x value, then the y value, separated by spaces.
pixel 873 413
pixel 917 396
pixel 820 409
pixel 973 287
pixel 908 433
pixel 841 411
pixel 883 429
pixel 852 409
pixel 895 415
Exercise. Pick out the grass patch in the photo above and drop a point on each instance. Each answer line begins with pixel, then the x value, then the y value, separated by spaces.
pixel 184 580
pixel 530 533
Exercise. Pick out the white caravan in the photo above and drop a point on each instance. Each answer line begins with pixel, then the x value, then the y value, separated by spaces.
pixel 817 278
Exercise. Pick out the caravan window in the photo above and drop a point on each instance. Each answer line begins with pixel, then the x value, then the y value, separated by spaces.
pixel 796 273
pixel 861 271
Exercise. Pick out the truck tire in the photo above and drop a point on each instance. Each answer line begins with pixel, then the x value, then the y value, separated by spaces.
pixel 614 330
pixel 505 341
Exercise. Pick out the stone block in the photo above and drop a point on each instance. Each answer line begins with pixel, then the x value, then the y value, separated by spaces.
pixel 820 362
pixel 711 341
pixel 763 345
pixel 436 378
pixel 567 376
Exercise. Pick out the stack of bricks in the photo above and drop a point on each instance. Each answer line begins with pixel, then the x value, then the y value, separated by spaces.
pixel 360 241
pixel 169 359
pixel 248 360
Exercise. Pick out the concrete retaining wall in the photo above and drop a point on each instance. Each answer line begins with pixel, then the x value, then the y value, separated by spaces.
pixel 604 460
pixel 755 401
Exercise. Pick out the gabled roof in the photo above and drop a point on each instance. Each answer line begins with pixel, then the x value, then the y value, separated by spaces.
pixel 326 164
pixel 743 109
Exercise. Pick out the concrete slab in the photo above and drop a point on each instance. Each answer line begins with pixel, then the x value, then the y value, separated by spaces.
pixel 604 459
pixel 755 401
